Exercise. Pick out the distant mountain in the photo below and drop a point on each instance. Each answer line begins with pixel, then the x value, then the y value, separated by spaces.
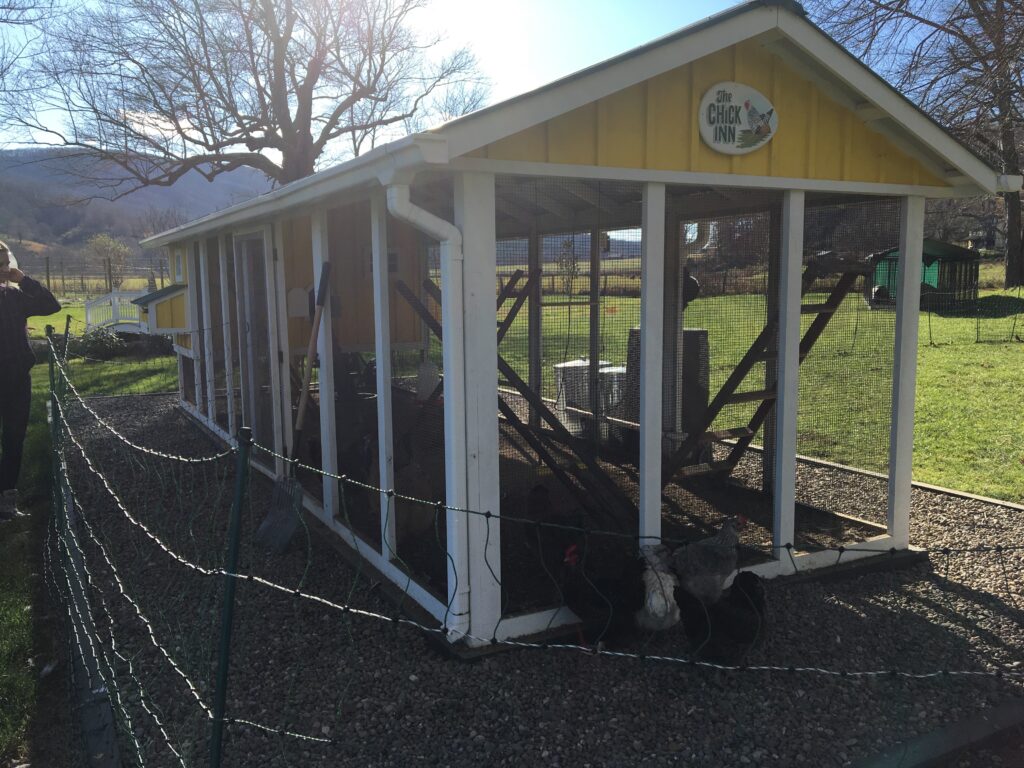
pixel 39 189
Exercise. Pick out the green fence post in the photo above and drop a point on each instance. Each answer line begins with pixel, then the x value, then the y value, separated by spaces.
pixel 227 616
pixel 67 337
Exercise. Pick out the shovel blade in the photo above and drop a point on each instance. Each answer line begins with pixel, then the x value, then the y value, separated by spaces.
pixel 280 524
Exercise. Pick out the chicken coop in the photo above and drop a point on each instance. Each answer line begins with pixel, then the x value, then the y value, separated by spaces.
pixel 605 314
pixel 949 277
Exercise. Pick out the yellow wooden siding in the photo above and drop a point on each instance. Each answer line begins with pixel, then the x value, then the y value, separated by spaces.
pixel 183 340
pixel 171 313
pixel 349 239
pixel 653 125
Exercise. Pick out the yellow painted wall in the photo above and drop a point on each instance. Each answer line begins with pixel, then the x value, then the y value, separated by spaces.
pixel 183 340
pixel 348 236
pixel 654 125
pixel 171 313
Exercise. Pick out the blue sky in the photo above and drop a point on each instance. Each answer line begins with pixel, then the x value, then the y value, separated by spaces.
pixel 524 44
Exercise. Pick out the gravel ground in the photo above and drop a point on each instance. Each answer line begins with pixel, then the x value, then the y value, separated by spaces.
pixel 387 697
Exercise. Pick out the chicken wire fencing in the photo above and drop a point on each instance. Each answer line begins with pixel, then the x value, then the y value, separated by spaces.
pixel 844 412
pixel 136 553
pixel 567 293
pixel 721 321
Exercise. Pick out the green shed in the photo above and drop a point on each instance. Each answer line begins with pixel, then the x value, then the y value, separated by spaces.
pixel 949 277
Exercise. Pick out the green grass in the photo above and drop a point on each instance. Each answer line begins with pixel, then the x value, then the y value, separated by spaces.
pixel 21 545
pixel 969 430
pixel 37 325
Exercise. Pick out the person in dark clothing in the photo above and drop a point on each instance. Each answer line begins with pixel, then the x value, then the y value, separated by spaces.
pixel 21 297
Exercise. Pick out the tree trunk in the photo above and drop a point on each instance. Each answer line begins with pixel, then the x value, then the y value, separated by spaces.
pixel 1014 253
pixel 299 160
pixel 1011 200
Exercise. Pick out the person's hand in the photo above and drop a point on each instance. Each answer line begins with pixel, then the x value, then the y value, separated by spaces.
pixel 12 274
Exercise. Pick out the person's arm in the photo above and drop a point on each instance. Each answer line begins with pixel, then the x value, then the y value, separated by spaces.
pixel 36 300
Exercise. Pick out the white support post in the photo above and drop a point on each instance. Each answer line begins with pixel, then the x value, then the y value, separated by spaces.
pixel 901 434
pixel 475 216
pixel 279 310
pixel 788 378
pixel 194 299
pixel 208 322
pixel 325 351
pixel 228 324
pixel 382 350
pixel 652 328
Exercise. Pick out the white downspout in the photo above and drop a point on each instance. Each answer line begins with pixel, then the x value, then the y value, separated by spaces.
pixel 454 358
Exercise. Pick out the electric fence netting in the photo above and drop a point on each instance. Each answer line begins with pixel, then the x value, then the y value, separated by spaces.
pixel 329 664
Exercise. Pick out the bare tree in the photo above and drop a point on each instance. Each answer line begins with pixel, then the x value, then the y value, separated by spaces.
pixel 18 29
pixel 112 255
pixel 153 89
pixel 961 61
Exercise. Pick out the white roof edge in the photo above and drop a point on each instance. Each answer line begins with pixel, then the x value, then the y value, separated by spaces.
pixel 404 155
pixel 861 78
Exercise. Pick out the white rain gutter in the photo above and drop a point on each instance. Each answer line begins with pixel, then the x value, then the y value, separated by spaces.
pixel 454 357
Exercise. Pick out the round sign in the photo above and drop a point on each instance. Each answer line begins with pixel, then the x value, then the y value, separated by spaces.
pixel 736 119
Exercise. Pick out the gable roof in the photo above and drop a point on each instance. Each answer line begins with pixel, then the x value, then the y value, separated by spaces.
pixel 784 29
pixel 781 26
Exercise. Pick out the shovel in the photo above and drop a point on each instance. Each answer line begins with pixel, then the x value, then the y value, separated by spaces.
pixel 279 526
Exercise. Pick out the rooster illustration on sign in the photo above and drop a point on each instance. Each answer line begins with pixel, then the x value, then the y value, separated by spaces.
pixel 759 126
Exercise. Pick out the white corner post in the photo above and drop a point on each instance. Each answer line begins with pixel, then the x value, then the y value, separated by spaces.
pixel 228 324
pixel 475 216
pixel 652 329
pixel 325 353
pixel 788 379
pixel 208 322
pixel 901 433
pixel 382 352
pixel 196 296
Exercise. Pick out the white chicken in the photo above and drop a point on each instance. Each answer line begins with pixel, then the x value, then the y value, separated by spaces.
pixel 659 611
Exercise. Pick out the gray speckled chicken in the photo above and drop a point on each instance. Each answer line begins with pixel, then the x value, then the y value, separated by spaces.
pixel 703 566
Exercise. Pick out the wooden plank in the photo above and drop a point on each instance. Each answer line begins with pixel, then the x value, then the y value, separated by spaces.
pixel 509 287
pixel 524 294
pixel 752 396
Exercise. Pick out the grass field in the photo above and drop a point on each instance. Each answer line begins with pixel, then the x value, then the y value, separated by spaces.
pixel 969 427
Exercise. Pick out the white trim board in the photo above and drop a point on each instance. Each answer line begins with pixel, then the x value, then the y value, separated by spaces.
pixel 697 178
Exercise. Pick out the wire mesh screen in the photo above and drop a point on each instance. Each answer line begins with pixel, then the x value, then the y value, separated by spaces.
pixel 354 367
pixel 721 316
pixel 568 323
pixel 846 376
pixel 187 379
pixel 257 356
pixel 217 327
pixel 418 400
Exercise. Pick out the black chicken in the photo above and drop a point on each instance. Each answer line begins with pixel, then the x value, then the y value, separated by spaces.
pixel 604 587
pixel 727 630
